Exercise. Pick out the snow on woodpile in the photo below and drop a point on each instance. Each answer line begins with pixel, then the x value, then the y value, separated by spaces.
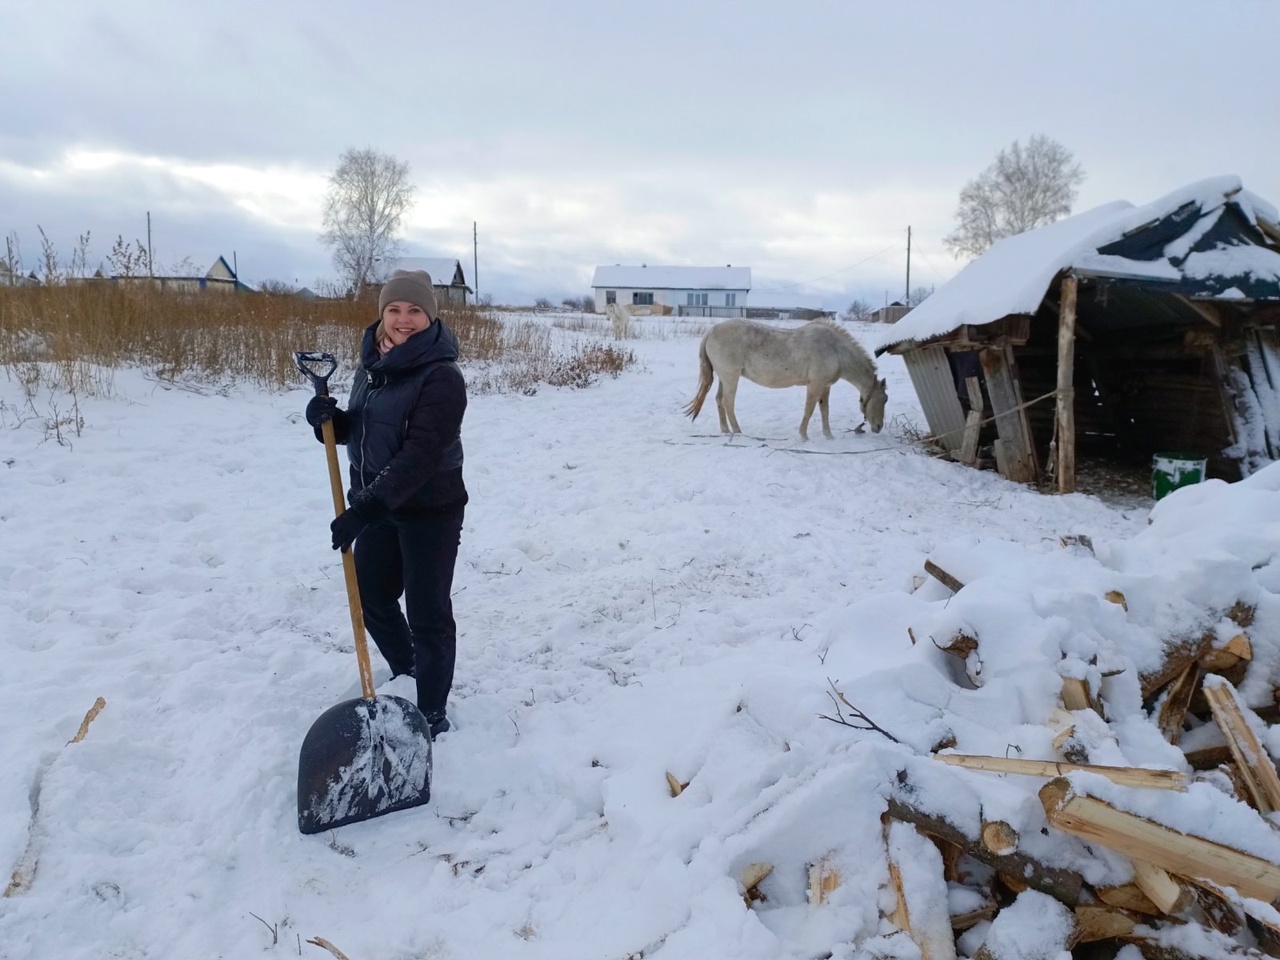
pixel 1080 753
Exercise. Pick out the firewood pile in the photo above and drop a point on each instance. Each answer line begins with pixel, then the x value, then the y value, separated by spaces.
pixel 1135 810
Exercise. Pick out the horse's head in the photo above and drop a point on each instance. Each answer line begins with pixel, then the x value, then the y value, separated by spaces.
pixel 873 405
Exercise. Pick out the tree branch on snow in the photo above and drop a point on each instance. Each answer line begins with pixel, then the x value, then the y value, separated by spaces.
pixel 864 722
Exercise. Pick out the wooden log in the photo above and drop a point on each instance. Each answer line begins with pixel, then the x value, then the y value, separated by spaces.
pixel 1076 695
pixel 946 579
pixel 1208 758
pixel 1099 921
pixel 1065 418
pixel 1126 776
pixel 920 892
pixel 1128 896
pixel 1186 855
pixel 1168 895
pixel 1223 915
pixel 1237 650
pixel 1259 772
pixel 1064 885
pixel 752 877
pixel 823 879
pixel 1179 654
pixel 971 918
pixel 999 837
pixel 1173 710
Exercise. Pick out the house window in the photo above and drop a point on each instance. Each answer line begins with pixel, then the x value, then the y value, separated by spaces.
pixel 689 301
pixel 642 299
pixel 730 299
pixel 610 296
pixel 697 300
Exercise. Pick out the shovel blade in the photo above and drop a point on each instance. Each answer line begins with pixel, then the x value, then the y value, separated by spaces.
pixel 362 759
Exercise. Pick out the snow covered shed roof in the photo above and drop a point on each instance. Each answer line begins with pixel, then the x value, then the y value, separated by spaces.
pixel 673 278
pixel 445 271
pixel 1210 240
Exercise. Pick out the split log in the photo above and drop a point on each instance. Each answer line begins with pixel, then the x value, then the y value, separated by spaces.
pixel 1223 915
pixel 1125 776
pixel 915 871
pixel 674 784
pixel 1128 896
pixel 1061 884
pixel 1259 772
pixel 1208 758
pixel 1098 921
pixel 752 877
pixel 823 879
pixel 1173 710
pixel 1178 656
pixel 944 578
pixel 1192 941
pixel 1095 821
pixel 971 918
pixel 1076 695
pixel 1235 651
pixel 1168 895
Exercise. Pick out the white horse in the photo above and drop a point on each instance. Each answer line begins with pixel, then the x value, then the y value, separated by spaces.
pixel 815 355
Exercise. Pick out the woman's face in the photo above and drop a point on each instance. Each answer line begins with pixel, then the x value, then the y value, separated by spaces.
pixel 401 320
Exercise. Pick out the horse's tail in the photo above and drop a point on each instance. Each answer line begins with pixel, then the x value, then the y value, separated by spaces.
pixel 705 376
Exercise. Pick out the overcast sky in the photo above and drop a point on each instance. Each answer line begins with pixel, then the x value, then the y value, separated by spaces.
pixel 798 138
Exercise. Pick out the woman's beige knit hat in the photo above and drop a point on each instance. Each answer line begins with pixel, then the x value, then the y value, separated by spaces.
pixel 411 286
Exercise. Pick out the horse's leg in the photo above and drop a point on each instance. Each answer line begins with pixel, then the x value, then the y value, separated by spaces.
pixel 810 398
pixel 824 407
pixel 724 424
pixel 730 387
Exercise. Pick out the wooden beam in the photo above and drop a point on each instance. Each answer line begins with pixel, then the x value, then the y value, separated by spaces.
pixel 1015 453
pixel 1259 772
pixel 1076 696
pixel 1065 420
pixel 1191 856
pixel 1128 896
pixel 1125 776
pixel 973 422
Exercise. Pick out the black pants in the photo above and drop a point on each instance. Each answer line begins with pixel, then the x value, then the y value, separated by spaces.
pixel 412 557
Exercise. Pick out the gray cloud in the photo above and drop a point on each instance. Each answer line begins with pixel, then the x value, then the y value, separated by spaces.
pixel 799 139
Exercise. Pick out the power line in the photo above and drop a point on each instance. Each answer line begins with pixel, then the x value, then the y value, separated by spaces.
pixel 802 283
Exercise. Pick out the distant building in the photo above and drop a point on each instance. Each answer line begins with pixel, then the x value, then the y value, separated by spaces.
pixel 220 278
pixel 891 313
pixel 447 277
pixel 683 291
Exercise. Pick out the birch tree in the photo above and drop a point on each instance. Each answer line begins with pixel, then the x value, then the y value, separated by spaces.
pixel 1024 188
pixel 369 195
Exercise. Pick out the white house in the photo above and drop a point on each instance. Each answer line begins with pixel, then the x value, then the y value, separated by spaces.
pixel 446 276
pixel 684 291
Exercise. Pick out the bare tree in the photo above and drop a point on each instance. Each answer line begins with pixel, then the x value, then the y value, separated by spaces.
pixel 919 295
pixel 369 195
pixel 1024 188
pixel 859 310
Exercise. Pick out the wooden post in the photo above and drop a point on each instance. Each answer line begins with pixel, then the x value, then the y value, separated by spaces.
pixel 1066 412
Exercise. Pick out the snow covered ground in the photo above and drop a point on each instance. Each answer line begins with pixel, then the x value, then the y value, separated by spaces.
pixel 635 596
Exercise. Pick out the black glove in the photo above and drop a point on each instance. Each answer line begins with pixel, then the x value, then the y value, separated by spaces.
pixel 320 410
pixel 365 509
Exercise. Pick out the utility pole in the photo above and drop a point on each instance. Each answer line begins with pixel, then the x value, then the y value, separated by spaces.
pixel 907 299
pixel 475 260
pixel 151 271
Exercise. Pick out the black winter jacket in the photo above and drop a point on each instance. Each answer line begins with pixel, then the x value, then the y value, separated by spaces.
pixel 402 425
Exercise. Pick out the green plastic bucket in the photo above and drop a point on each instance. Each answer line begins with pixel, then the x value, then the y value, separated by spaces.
pixel 1169 471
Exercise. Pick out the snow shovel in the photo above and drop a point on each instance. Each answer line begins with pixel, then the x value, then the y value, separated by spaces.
pixel 372 755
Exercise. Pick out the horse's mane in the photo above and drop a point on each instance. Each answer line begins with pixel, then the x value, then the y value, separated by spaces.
pixel 858 348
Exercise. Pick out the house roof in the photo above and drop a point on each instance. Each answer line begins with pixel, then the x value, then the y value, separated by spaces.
pixel 1210 240
pixel 673 278
pixel 445 271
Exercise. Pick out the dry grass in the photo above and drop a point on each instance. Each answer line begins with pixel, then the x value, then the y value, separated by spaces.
pixel 70 337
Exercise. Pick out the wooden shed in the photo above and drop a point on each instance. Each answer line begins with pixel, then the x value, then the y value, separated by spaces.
pixel 1114 335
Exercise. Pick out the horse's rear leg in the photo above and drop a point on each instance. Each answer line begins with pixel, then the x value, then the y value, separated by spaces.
pixel 724 401
pixel 824 407
pixel 810 398
pixel 724 423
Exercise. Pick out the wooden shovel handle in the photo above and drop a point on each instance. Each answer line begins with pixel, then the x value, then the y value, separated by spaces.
pixel 348 564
